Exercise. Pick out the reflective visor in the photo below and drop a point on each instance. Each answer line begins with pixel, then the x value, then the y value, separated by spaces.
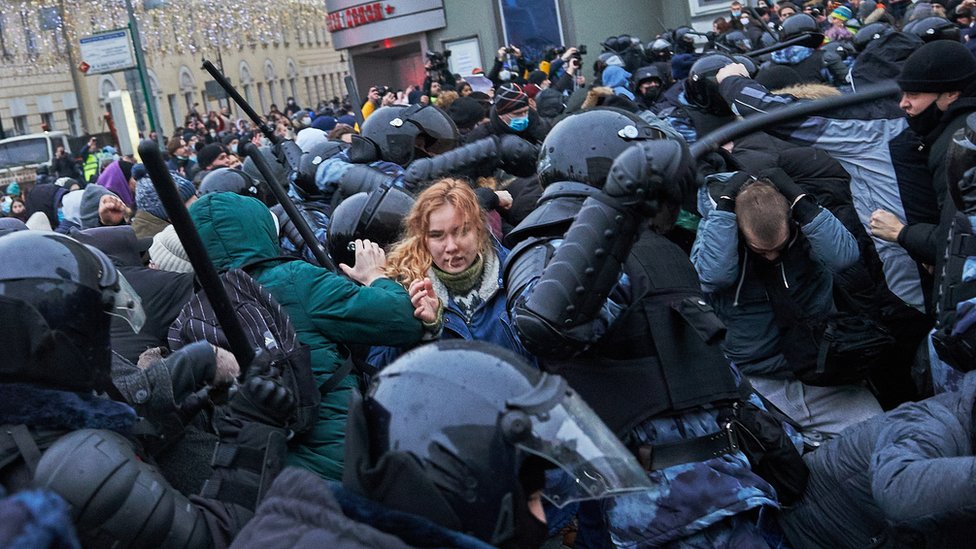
pixel 570 435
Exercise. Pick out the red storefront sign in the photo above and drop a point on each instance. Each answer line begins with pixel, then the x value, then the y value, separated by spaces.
pixel 359 15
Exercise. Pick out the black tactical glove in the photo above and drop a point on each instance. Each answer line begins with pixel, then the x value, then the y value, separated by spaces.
pixel 724 193
pixel 803 205
pixel 262 396
pixel 190 371
pixel 648 174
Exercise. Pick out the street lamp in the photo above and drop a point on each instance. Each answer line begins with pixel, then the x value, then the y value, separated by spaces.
pixel 141 65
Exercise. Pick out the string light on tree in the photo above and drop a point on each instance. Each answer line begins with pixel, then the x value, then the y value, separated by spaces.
pixel 34 32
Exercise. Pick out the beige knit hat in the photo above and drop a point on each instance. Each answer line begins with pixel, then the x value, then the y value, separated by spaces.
pixel 167 252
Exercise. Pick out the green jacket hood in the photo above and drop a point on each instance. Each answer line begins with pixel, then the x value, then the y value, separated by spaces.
pixel 235 229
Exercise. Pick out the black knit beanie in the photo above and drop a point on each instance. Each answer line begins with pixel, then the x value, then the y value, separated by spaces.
pixel 466 112
pixel 936 67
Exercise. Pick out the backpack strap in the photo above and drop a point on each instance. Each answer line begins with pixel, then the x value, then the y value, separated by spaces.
pixel 21 438
pixel 334 380
pixel 247 267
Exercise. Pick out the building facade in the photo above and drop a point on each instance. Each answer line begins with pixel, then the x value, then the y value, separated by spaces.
pixel 278 50
pixel 387 41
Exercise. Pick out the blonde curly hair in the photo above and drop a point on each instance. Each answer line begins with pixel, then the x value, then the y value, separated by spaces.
pixel 410 258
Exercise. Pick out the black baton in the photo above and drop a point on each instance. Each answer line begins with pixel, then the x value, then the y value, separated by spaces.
pixel 197 254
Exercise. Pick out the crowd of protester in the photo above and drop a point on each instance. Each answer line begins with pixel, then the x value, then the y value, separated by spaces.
pixel 532 315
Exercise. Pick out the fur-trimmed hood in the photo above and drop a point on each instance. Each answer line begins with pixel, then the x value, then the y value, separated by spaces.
pixel 808 90
pixel 595 96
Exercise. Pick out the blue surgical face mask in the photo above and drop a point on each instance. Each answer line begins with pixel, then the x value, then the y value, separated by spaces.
pixel 519 124
pixel 736 13
pixel 233 148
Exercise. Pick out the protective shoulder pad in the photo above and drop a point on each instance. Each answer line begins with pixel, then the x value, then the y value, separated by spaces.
pixel 117 499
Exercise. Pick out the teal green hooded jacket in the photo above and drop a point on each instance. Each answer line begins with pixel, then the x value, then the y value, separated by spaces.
pixel 328 311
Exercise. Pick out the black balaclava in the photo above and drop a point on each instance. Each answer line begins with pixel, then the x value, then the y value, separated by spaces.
pixel 926 121
pixel 530 532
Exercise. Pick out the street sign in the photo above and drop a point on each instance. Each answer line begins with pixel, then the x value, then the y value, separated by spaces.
pixel 107 52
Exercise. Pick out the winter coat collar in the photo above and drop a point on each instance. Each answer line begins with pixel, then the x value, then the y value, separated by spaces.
pixel 35 406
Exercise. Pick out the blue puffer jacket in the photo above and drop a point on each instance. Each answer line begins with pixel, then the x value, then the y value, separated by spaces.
pixel 903 479
pixel 490 321
pixel 739 296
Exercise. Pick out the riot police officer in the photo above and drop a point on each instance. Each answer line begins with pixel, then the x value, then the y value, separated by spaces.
pixel 61 434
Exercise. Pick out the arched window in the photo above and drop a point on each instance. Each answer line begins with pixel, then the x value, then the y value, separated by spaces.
pixel 187 87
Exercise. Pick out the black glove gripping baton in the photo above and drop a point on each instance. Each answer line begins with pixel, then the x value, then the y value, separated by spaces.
pixel 286 151
pixel 712 141
pixel 197 254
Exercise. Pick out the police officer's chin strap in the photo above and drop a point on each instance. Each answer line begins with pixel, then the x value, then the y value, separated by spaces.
pixel 508 152
pixel 584 269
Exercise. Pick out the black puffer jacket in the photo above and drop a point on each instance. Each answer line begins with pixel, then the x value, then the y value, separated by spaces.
pixel 303 511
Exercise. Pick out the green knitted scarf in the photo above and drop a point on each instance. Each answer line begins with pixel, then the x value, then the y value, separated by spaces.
pixel 463 282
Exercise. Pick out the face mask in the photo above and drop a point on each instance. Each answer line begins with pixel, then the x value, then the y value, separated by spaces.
pixel 925 121
pixel 652 94
pixel 307 121
pixel 519 124
pixel 233 149
pixel 193 158
pixel 744 20
pixel 736 13
pixel 5 206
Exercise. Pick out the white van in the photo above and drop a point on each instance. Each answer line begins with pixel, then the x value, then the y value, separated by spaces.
pixel 20 156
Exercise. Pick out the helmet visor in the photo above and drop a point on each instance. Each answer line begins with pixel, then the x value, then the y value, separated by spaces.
pixel 570 435
pixel 128 306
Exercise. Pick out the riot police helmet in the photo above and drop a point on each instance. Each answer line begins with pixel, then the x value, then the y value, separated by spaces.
pixel 701 86
pixel 57 299
pixel 478 455
pixel 376 216
pixel 582 146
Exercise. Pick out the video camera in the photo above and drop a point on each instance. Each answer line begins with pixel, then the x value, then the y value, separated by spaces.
pixel 438 60
pixel 580 51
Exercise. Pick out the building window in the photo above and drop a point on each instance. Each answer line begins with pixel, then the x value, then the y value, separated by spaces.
pixel 702 7
pixel 264 108
pixel 312 100
pixel 30 38
pixel 4 52
pixel 20 125
pixel 74 121
pixel 174 110
pixel 47 121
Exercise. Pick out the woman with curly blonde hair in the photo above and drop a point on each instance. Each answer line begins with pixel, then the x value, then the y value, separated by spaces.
pixel 447 254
